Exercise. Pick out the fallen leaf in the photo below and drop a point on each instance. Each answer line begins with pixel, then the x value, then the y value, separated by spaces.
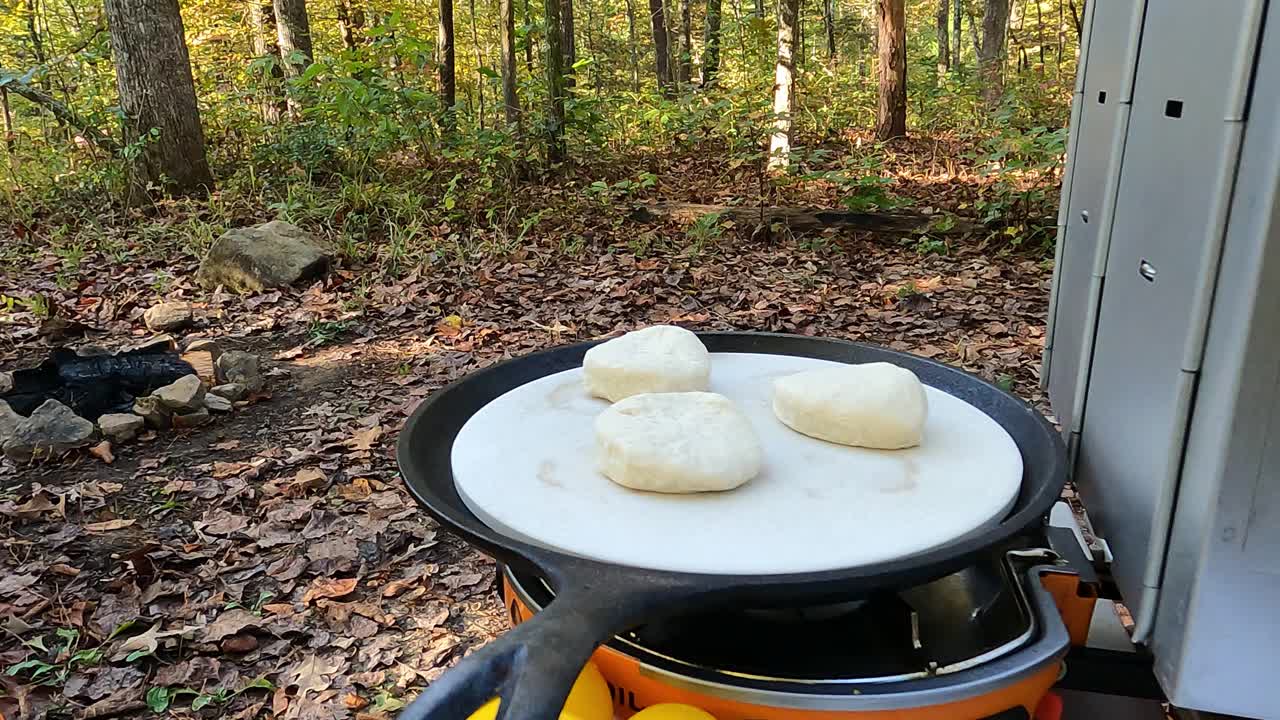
pixel 366 439
pixel 102 451
pixel 311 674
pixel 356 490
pixel 230 623
pixel 145 643
pixel 228 469
pixel 11 584
pixel 38 506
pixel 395 587
pixel 353 701
pixel 63 569
pixel 240 643
pixel 279 701
pixel 225 445
pixel 306 480
pixel 109 525
pixel 329 588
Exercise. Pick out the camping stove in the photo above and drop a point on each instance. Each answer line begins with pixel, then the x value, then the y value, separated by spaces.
pixel 986 642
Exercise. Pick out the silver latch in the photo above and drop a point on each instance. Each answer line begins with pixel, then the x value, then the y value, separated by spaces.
pixel 1147 270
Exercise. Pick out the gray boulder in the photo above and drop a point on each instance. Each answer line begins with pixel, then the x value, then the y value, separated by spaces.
pixel 52 429
pixel 120 427
pixel 217 403
pixel 235 366
pixel 272 255
pixel 9 422
pixel 184 394
pixel 153 412
pixel 168 316
pixel 231 391
pixel 192 419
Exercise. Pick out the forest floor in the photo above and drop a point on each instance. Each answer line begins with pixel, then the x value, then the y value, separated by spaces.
pixel 271 563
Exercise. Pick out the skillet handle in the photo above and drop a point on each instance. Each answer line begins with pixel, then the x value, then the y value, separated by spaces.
pixel 533 666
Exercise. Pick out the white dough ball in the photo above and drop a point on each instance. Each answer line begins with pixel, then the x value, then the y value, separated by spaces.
pixel 876 405
pixel 677 443
pixel 657 359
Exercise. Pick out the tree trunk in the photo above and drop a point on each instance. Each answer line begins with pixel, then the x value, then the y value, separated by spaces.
pixel 783 86
pixel 350 24
pixel 293 31
pixel 711 43
pixel 686 43
pixel 528 40
pixel 944 41
pixel 263 18
pixel 158 97
pixel 759 8
pixel 10 137
pixel 507 39
pixel 891 112
pixel 475 41
pixel 635 46
pixel 448 66
pixel 555 81
pixel 829 25
pixel 1076 21
pixel 957 24
pixel 33 33
pixel 991 54
pixel 567 45
pixel 661 53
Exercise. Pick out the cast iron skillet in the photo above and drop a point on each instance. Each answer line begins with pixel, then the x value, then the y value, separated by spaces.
pixel 533 666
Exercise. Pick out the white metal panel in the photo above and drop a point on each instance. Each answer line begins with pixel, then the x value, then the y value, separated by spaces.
pixel 1095 164
pixel 1216 640
pixel 1139 394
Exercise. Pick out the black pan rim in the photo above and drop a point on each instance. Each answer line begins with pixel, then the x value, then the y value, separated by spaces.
pixel 1043 476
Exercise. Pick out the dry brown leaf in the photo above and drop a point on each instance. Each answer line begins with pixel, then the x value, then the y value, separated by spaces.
pixel 64 569
pixel 356 490
pixel 109 525
pixel 230 623
pixel 366 439
pixel 38 506
pixel 395 587
pixel 306 480
pixel 102 451
pixel 146 643
pixel 228 469
pixel 240 643
pixel 279 701
pixel 311 674
pixel 225 445
pixel 353 701
pixel 329 588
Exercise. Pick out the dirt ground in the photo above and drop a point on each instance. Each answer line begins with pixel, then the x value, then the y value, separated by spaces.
pixel 271 563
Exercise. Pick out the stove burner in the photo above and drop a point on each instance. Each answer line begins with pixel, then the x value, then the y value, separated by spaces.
pixel 954 623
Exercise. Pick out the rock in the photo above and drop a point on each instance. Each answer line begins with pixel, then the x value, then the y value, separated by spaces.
pixel 155 343
pixel 253 259
pixel 231 391
pixel 53 428
pixel 153 412
pixel 205 345
pixel 191 419
pixel 6 382
pixel 217 403
pixel 120 426
pixel 186 393
pixel 168 316
pixel 9 422
pixel 240 367
pixel 92 351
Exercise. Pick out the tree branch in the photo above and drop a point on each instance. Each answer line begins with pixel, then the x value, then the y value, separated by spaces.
pixel 12 82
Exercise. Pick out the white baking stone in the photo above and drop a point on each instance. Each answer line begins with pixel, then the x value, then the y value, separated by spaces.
pixel 525 464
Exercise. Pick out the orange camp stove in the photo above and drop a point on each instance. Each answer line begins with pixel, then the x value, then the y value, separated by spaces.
pixel 985 642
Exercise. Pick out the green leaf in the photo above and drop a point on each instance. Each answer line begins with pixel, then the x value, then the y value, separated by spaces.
pixel 136 654
pixel 201 701
pixel 158 699
pixel 37 643
pixel 39 665
pixel 257 684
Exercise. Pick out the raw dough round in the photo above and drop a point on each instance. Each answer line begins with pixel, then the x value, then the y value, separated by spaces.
pixel 658 359
pixel 677 443
pixel 876 405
